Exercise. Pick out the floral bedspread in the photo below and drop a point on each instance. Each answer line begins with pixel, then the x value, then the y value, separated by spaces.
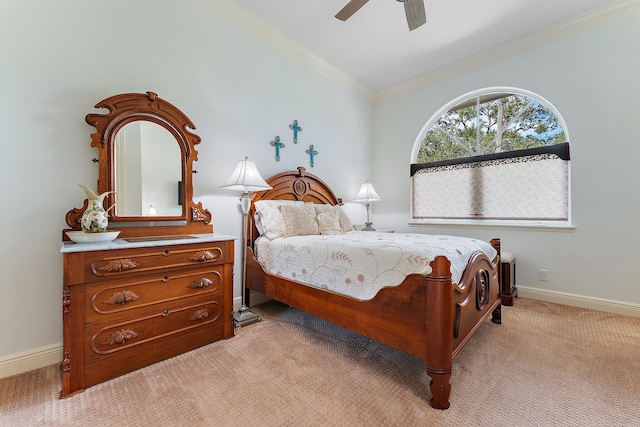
pixel 360 263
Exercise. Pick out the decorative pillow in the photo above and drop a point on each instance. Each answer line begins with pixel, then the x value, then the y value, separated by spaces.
pixel 299 220
pixel 257 220
pixel 345 222
pixel 329 222
pixel 270 218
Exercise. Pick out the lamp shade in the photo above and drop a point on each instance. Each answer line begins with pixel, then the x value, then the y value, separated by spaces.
pixel 246 178
pixel 367 194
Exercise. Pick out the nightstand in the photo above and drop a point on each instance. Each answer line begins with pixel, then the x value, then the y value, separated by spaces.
pixel 508 279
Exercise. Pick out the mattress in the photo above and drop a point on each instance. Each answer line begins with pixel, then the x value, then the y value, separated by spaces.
pixel 360 263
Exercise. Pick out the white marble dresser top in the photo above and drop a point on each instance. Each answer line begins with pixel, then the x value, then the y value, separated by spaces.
pixel 154 241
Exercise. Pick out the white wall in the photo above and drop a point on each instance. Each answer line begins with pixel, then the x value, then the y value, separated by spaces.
pixel 592 78
pixel 59 58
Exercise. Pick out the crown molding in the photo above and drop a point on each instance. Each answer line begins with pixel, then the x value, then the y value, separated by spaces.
pixel 548 34
pixel 247 20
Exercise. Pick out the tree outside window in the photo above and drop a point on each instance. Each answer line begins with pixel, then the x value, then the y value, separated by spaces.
pixel 488 124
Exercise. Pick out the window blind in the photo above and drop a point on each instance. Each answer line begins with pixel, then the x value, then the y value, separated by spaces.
pixel 531 184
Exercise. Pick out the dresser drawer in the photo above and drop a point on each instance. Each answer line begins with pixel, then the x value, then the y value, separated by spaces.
pixel 104 265
pixel 128 307
pixel 112 349
pixel 134 296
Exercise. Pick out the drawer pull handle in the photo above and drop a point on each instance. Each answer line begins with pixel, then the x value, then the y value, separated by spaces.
pixel 165 313
pixel 166 253
pixel 200 283
pixel 121 337
pixel 203 256
pixel 165 279
pixel 119 265
pixel 201 314
pixel 121 297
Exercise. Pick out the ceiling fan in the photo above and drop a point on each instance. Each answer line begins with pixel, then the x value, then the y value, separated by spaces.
pixel 413 9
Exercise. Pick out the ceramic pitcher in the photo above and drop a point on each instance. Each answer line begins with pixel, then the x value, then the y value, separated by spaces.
pixel 95 218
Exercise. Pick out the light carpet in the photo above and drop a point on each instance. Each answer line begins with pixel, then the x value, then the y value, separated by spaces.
pixel 546 365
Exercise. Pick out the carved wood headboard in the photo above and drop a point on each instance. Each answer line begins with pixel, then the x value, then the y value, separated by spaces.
pixel 291 185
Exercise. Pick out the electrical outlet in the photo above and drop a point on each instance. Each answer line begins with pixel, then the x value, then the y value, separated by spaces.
pixel 544 275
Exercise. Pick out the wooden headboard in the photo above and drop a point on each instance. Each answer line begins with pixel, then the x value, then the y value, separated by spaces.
pixel 292 185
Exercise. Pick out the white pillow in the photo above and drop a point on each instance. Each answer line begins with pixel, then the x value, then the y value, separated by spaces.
pixel 270 218
pixel 257 221
pixel 329 222
pixel 345 222
pixel 299 220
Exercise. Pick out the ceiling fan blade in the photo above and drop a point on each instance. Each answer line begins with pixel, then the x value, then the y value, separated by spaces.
pixel 416 16
pixel 352 7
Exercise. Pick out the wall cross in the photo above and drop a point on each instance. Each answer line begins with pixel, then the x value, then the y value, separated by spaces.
pixel 296 130
pixel 312 155
pixel 276 143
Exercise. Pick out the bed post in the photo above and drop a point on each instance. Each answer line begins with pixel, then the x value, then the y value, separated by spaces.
pixel 439 326
pixel 496 316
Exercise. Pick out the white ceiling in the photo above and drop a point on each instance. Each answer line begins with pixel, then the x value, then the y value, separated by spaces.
pixel 376 48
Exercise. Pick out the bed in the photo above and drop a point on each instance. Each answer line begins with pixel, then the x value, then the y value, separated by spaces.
pixel 429 314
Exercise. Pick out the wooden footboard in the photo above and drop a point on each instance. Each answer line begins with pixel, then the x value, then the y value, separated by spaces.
pixel 455 312
pixel 427 316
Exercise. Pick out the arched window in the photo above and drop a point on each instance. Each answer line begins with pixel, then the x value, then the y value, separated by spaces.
pixel 498 154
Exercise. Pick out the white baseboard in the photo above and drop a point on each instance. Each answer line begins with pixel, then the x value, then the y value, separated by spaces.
pixel 256 298
pixel 30 360
pixel 45 356
pixel 600 304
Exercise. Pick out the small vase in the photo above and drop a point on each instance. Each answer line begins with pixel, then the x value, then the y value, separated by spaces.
pixel 95 218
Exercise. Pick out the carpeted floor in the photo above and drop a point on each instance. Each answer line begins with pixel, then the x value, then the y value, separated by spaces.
pixel 545 365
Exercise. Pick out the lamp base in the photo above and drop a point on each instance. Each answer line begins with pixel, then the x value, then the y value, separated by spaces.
pixel 368 227
pixel 244 317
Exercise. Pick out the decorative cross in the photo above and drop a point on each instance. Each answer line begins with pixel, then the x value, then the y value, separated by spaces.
pixel 312 154
pixel 296 129
pixel 276 143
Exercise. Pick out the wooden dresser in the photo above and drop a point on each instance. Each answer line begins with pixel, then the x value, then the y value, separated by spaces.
pixel 133 302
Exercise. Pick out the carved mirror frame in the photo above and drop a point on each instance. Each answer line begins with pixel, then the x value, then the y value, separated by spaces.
pixel 130 107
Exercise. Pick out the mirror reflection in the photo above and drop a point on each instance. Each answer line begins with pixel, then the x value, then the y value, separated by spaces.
pixel 147 171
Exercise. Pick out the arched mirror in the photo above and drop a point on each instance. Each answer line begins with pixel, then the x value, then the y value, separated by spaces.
pixel 146 154
pixel 147 171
